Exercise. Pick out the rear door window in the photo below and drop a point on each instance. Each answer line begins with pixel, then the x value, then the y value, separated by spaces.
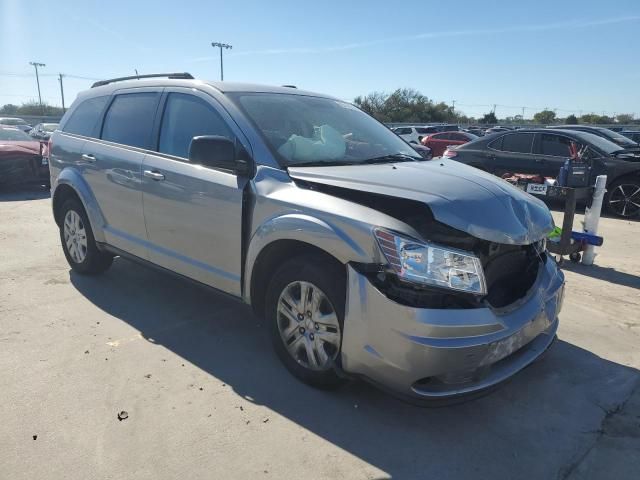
pixel 84 119
pixel 129 120
pixel 517 142
pixel 187 116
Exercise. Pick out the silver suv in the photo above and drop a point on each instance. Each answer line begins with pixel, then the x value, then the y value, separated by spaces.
pixel 428 278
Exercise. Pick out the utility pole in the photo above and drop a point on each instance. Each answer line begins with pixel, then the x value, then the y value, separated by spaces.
pixel 36 65
pixel 523 112
pixel 221 45
pixel 61 91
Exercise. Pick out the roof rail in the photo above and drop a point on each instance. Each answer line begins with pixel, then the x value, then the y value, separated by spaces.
pixel 183 75
pixel 289 86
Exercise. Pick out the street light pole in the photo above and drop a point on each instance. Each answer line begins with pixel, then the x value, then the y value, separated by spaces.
pixel 36 65
pixel 221 45
pixel 62 91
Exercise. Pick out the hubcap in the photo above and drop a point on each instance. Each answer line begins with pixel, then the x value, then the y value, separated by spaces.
pixel 308 326
pixel 625 200
pixel 75 236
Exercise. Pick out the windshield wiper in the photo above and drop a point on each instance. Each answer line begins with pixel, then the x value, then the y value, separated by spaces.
pixel 394 157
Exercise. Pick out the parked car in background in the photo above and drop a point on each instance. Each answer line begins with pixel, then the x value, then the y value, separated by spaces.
pixel 477 131
pixel 543 151
pixel 418 133
pixel 363 259
pixel 43 131
pixel 633 135
pixel 18 123
pixel 414 134
pixel 21 158
pixel 438 142
pixel 496 129
pixel 610 135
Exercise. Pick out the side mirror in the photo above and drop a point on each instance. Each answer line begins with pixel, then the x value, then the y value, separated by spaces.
pixel 217 152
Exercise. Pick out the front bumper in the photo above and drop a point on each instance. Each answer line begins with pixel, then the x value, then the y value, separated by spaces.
pixel 442 353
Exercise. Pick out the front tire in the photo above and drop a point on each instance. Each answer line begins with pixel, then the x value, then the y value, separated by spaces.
pixel 78 242
pixel 305 311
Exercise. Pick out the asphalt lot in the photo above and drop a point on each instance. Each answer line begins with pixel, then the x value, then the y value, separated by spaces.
pixel 207 398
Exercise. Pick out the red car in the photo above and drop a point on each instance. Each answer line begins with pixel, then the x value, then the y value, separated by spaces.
pixel 21 158
pixel 438 142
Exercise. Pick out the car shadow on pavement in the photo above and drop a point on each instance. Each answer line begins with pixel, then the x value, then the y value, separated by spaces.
pixel 607 274
pixel 17 193
pixel 528 428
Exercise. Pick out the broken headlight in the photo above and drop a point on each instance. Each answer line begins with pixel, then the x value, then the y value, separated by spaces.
pixel 429 264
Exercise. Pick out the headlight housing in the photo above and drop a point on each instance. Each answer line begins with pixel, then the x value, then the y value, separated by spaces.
pixel 428 264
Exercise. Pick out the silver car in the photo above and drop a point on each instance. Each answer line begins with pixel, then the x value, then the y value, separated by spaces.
pixel 427 278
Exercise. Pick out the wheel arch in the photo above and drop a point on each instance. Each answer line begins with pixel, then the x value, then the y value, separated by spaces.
pixel 70 184
pixel 290 235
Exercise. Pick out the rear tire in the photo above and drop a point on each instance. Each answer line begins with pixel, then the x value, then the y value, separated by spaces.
pixel 305 306
pixel 78 242
pixel 623 198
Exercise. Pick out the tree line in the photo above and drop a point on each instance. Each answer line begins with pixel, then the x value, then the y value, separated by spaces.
pixel 31 108
pixel 406 105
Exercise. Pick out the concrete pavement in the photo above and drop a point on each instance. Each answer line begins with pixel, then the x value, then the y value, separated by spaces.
pixel 207 398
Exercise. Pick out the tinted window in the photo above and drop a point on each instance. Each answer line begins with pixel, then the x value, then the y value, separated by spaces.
pixel 403 131
pixel 458 137
pixel 85 118
pixel 424 130
pixel 130 118
pixel 441 136
pixel 185 117
pixel 555 145
pixel 517 143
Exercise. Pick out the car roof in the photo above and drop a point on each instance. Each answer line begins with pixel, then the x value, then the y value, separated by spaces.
pixel 224 87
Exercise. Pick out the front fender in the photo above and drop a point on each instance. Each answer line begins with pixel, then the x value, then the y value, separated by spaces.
pixel 307 229
pixel 72 178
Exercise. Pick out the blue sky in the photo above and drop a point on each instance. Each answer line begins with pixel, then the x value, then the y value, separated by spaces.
pixel 570 55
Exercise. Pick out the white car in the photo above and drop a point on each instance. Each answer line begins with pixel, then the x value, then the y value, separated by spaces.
pixel 414 134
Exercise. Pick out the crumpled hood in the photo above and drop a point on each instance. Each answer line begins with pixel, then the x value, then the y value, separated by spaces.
pixel 460 196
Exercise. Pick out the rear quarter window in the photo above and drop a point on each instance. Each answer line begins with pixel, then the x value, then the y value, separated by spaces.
pixel 85 117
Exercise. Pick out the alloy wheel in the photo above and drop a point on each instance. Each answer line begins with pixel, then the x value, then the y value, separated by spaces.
pixel 75 236
pixel 624 200
pixel 308 326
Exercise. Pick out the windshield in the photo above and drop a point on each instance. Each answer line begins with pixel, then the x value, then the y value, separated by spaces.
pixel 13 134
pixel 601 143
pixel 305 130
pixel 49 127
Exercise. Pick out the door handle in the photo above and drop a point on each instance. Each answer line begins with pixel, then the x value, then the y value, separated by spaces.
pixel 88 157
pixel 153 174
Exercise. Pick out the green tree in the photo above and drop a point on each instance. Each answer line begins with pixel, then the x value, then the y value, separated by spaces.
pixel 624 118
pixel 571 120
pixel 545 117
pixel 406 105
pixel 489 118
pixel 9 109
pixel 31 108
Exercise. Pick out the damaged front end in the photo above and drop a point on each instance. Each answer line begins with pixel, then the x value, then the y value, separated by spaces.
pixel 509 270
pixel 429 330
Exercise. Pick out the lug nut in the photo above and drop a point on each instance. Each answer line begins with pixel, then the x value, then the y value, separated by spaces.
pixel 301 330
pixel 316 326
pixel 308 314
pixel 311 336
